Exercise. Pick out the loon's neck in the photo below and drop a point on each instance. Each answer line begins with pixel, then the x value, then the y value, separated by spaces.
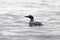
pixel 31 20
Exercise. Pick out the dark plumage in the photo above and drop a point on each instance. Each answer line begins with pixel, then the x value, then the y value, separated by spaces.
pixel 32 22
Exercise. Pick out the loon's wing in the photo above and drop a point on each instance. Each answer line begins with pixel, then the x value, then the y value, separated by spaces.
pixel 35 23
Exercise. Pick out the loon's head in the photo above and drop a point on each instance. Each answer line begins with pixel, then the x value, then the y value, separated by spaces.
pixel 30 16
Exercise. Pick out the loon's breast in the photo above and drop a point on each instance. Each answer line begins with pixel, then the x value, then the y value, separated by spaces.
pixel 35 23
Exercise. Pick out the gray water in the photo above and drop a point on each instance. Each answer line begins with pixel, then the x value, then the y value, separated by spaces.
pixel 14 26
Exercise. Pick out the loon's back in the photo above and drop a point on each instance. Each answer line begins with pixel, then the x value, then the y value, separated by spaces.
pixel 35 23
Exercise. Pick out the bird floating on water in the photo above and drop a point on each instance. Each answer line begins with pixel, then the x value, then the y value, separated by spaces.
pixel 32 22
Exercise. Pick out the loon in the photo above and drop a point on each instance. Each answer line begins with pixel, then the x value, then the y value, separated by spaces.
pixel 32 22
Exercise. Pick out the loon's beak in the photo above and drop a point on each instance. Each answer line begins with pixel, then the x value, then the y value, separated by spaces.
pixel 26 16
